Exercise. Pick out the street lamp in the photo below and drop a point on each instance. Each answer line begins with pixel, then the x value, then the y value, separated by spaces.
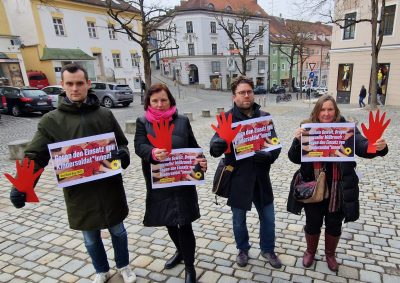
pixel 137 61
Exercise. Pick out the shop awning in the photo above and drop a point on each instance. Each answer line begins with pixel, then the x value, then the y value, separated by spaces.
pixel 3 56
pixel 64 54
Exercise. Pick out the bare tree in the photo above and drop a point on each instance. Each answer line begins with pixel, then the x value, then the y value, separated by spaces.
pixel 237 28
pixel 338 17
pixel 150 18
pixel 296 37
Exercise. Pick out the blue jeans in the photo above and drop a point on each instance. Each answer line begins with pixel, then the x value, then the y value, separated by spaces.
pixel 266 215
pixel 95 247
pixel 361 101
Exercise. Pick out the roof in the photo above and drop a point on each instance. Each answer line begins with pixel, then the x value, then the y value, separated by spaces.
pixel 223 6
pixel 279 34
pixel 64 54
pixel 115 4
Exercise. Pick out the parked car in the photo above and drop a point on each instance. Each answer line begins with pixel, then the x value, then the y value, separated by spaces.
pixel 3 104
pixel 53 91
pixel 37 79
pixel 260 89
pixel 111 94
pixel 277 89
pixel 25 99
pixel 320 91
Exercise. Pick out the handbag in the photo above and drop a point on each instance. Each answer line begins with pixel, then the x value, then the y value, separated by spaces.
pixel 310 192
pixel 222 179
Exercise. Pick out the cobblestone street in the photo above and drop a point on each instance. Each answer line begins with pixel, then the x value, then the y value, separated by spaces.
pixel 36 244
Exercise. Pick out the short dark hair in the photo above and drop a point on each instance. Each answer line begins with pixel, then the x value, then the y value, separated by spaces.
pixel 241 80
pixel 73 68
pixel 157 88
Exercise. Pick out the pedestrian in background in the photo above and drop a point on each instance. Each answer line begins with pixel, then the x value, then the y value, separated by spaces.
pixel 250 181
pixel 363 94
pixel 173 207
pixel 379 95
pixel 95 205
pixel 342 183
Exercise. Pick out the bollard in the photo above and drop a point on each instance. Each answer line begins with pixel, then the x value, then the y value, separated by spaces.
pixel 205 113
pixel 130 127
pixel 17 148
pixel 220 110
pixel 189 115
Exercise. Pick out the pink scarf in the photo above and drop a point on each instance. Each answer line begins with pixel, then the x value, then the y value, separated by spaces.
pixel 153 114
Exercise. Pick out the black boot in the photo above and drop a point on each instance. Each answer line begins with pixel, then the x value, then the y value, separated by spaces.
pixel 173 261
pixel 190 275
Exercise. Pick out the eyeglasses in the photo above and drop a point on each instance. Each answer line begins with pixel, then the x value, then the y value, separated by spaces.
pixel 244 92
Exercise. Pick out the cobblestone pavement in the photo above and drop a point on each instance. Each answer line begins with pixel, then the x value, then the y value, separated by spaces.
pixel 36 244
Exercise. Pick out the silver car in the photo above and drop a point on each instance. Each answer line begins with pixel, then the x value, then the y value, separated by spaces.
pixel 53 91
pixel 111 94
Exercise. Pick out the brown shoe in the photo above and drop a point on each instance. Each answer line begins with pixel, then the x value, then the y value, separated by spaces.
pixel 331 243
pixel 309 254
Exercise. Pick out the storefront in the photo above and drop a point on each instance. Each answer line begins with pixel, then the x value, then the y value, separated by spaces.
pixel 10 71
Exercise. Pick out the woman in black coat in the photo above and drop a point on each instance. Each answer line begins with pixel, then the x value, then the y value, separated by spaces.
pixel 342 183
pixel 173 207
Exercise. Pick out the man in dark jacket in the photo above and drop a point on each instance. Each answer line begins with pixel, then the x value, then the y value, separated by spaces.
pixel 250 182
pixel 94 205
pixel 363 94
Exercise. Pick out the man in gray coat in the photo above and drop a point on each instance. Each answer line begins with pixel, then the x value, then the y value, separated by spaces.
pixel 250 182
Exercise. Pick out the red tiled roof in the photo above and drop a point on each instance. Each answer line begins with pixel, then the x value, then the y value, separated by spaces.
pixel 221 6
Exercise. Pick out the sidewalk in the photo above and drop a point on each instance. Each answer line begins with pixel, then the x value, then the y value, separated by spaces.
pixel 36 244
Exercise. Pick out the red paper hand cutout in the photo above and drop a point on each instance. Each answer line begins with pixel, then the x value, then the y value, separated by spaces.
pixel 375 131
pixel 163 135
pixel 25 179
pixel 225 130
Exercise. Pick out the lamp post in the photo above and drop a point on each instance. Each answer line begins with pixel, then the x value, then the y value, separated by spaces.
pixel 137 61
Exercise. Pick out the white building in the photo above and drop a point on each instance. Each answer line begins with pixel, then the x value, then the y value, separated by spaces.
pixel 59 32
pixel 204 47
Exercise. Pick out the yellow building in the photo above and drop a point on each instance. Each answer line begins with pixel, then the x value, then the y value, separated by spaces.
pixel 350 55
pixel 12 68
pixel 58 32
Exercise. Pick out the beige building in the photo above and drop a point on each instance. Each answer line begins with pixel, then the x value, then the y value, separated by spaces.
pixel 350 55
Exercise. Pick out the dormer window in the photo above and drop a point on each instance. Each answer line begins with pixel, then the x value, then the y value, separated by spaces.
pixel 210 6
pixel 228 8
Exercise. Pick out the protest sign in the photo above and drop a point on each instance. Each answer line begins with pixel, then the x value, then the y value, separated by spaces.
pixel 180 168
pixel 83 160
pixel 255 134
pixel 328 142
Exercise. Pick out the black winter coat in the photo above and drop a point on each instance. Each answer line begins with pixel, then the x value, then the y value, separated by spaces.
pixel 174 205
pixel 249 179
pixel 93 205
pixel 348 179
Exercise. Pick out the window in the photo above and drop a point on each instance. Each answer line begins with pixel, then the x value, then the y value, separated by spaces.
pixel 214 49
pixel 134 60
pixel 191 49
pixel 215 66
pixel 261 66
pixel 282 66
pixel 117 60
pixel 261 49
pixel 274 68
pixel 348 32
pixel 59 26
pixel 231 46
pixel 261 30
pixel 189 27
pixel 248 66
pixel 210 6
pixel 111 32
pixel 274 50
pixel 213 27
pixel 92 29
pixel 246 30
pixel 228 8
pixel 389 19
pixel 230 27
pixel 312 51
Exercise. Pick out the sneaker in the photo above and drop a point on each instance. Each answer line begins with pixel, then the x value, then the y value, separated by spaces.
pixel 128 275
pixel 102 277
pixel 242 258
pixel 273 259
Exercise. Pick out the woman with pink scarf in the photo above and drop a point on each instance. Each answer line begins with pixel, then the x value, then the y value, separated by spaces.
pixel 173 207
